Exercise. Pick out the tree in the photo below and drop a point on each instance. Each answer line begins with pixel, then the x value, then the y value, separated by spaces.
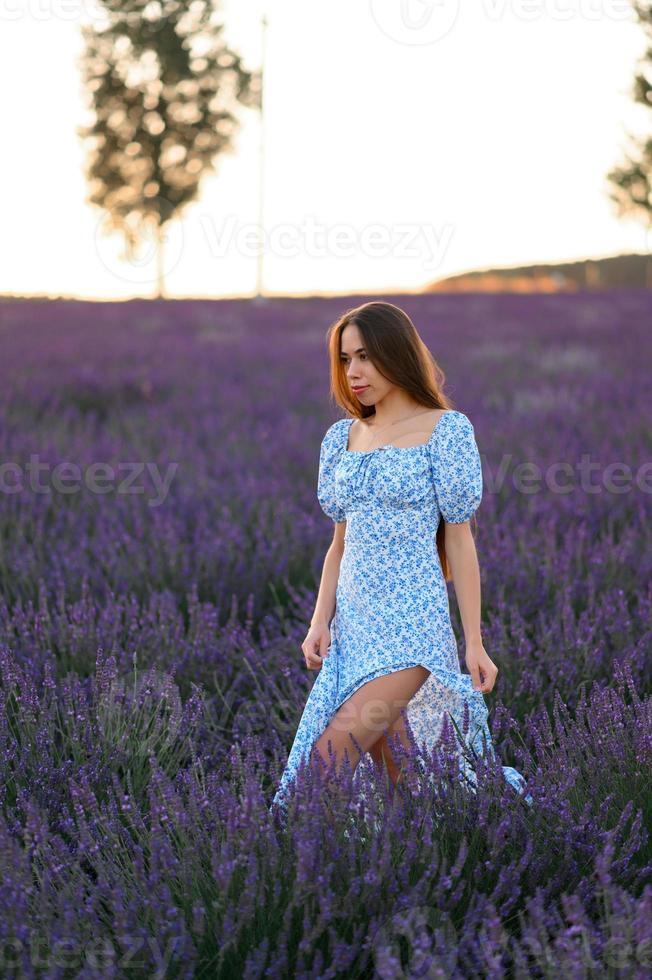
pixel 162 84
pixel 631 189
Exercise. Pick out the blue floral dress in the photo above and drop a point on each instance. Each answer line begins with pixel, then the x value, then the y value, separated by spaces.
pixel 392 608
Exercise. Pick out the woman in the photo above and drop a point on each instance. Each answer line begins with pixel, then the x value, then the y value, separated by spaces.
pixel 401 480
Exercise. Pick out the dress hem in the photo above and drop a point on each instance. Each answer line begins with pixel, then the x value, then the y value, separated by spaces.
pixel 445 676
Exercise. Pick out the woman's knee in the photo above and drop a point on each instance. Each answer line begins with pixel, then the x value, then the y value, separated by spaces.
pixel 381 753
pixel 377 749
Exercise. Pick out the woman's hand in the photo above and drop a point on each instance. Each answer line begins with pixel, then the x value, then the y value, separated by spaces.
pixel 316 644
pixel 482 669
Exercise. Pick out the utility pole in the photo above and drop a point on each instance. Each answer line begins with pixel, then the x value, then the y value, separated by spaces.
pixel 259 297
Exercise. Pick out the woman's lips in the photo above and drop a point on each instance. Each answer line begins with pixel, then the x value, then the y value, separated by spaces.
pixel 359 389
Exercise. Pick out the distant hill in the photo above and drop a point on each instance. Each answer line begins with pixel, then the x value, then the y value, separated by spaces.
pixel 626 271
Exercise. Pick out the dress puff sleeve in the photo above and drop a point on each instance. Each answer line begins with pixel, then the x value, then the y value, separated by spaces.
pixel 329 454
pixel 456 467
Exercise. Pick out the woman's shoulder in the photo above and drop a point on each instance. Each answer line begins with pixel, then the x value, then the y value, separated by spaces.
pixel 455 415
pixel 335 433
pixel 452 420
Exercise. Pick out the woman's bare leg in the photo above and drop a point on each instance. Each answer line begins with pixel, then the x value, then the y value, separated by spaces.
pixel 381 751
pixel 370 712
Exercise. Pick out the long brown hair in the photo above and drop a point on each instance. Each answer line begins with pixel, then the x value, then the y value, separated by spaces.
pixel 398 352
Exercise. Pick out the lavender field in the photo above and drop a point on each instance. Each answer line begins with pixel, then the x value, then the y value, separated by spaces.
pixel 151 678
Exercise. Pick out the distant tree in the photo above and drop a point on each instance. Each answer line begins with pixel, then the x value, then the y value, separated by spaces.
pixel 631 182
pixel 162 84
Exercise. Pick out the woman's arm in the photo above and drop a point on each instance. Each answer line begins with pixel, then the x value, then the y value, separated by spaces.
pixel 325 605
pixel 463 560
pixel 465 571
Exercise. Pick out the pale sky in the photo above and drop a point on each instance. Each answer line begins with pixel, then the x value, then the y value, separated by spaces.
pixel 405 141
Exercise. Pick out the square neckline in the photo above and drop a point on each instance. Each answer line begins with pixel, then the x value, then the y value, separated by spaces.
pixel 390 445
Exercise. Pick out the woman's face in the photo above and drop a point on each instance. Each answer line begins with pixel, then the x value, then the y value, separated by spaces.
pixel 360 372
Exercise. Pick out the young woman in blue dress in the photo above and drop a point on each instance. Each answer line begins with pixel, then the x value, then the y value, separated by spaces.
pixel 386 377
pixel 401 479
